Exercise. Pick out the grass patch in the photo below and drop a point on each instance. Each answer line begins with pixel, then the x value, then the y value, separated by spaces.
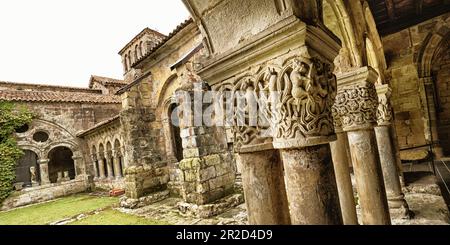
pixel 46 213
pixel 114 217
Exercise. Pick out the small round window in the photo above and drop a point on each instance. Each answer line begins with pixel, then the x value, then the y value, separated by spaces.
pixel 40 136
pixel 22 129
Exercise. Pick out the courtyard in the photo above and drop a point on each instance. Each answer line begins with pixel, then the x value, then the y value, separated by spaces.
pixel 80 209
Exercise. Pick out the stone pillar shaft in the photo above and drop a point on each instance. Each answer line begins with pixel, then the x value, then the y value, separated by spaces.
pixel 94 162
pixel 310 180
pixel 341 164
pixel 387 152
pixel 101 167
pixel 388 164
pixel 369 178
pixel 116 163
pixel 109 167
pixel 356 107
pixel 43 167
pixel 264 189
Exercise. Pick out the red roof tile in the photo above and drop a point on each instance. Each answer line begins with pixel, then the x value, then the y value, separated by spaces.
pixel 50 96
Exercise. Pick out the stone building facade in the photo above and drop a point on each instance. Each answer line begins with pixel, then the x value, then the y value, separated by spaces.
pixel 352 92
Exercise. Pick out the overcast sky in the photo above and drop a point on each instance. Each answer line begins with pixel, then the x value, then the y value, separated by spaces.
pixel 63 42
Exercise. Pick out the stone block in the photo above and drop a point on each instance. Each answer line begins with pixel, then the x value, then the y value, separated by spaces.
pixel 207 173
pixel 203 187
pixel 212 160
pixel 190 176
pixel 222 169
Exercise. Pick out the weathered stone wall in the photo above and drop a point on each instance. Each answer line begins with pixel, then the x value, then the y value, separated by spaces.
pixel 402 51
pixel 146 170
pixel 442 75
pixel 43 193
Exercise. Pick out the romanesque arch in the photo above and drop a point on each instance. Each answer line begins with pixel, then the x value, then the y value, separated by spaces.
pixel 27 170
pixel 374 47
pixel 61 166
pixel 432 56
pixel 337 19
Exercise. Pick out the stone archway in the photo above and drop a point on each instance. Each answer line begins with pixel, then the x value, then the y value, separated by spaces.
pixel 429 58
pixel 61 166
pixel 27 170
pixel 176 141
pixel 441 76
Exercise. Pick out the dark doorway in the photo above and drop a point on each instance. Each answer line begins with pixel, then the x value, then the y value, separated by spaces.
pixel 60 161
pixel 25 166
pixel 175 128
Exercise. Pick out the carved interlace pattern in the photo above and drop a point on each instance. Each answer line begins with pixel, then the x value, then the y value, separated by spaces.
pixel 356 106
pixel 294 101
pixel 307 88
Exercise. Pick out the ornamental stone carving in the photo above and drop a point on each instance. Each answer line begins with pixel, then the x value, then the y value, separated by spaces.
pixel 305 92
pixel 290 103
pixel 384 112
pixel 356 100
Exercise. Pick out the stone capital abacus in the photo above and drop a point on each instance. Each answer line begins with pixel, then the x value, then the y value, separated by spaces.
pixel 43 161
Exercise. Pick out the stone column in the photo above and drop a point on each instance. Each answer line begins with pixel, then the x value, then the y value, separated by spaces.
pixel 291 62
pixel 395 196
pixel 302 129
pixel 116 164
pixel 109 165
pixel 101 166
pixel 341 164
pixel 356 105
pixel 94 160
pixel 264 188
pixel 80 170
pixel 43 167
pixel 311 186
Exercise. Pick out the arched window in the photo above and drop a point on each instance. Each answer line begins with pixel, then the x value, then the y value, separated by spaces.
pixel 175 131
pixel 141 49
pixel 61 165
pixel 27 170
pixel 129 59
pixel 125 63
pixel 136 52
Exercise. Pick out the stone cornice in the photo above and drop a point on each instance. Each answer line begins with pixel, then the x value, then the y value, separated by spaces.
pixel 290 33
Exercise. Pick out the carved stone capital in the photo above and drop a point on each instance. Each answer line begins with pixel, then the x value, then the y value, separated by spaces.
pixel 384 112
pixel 356 100
pixel 302 116
pixel 293 104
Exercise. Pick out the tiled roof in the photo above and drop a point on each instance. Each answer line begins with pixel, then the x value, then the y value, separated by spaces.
pixel 34 86
pixel 59 96
pixel 98 125
pixel 164 40
pixel 106 81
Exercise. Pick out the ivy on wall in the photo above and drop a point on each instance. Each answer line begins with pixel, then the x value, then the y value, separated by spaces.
pixel 12 117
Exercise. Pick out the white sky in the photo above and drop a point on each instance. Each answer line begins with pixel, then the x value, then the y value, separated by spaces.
pixel 63 42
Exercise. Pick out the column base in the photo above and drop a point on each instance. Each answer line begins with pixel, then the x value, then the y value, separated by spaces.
pixel 398 207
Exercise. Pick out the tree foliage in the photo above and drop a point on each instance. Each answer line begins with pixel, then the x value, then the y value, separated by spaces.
pixel 12 117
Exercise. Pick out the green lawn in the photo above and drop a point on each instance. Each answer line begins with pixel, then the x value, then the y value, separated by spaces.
pixel 114 217
pixel 67 207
